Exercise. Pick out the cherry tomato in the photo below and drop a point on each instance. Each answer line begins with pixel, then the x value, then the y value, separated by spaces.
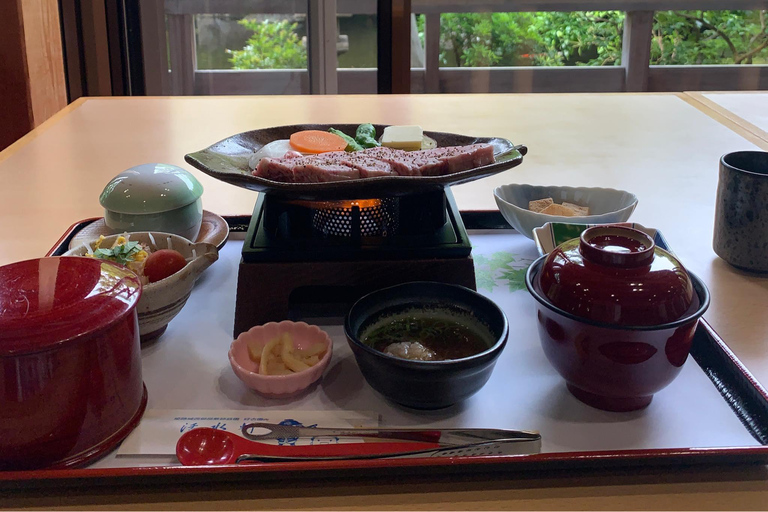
pixel 163 263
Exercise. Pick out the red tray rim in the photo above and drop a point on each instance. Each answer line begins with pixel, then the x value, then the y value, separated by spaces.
pixel 690 456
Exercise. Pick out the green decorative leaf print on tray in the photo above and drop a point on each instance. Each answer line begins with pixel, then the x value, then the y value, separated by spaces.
pixel 501 268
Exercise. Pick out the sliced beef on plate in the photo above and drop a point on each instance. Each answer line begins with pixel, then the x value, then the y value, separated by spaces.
pixel 408 163
pixel 462 158
pixel 321 173
pixel 275 169
pixel 368 166
pixel 307 169
pixel 381 161
pixel 393 157
pixel 323 167
pixel 425 165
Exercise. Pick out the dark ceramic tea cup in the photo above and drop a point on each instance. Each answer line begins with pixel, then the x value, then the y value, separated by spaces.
pixel 741 210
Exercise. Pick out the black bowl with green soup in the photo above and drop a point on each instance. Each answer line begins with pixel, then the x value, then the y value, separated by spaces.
pixel 426 345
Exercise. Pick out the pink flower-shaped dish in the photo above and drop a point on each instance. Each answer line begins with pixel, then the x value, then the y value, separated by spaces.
pixel 304 336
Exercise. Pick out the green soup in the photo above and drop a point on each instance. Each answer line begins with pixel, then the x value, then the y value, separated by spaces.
pixel 432 335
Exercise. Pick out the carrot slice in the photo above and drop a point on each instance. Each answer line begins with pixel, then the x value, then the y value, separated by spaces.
pixel 316 141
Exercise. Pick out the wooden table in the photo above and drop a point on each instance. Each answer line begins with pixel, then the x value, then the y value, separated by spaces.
pixel 662 147
pixel 746 109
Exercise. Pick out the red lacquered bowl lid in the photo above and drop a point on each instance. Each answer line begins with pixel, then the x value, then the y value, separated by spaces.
pixel 617 275
pixel 48 301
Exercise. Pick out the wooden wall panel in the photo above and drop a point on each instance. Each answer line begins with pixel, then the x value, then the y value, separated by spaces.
pixel 155 48
pixel 524 79
pixel 708 78
pixel 98 78
pixel 393 46
pixel 15 104
pixel 636 49
pixel 32 81
pixel 45 60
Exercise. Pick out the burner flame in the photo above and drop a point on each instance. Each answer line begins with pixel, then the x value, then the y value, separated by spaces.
pixel 346 204
pixel 360 203
pixel 356 217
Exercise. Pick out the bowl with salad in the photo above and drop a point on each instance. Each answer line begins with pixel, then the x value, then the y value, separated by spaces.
pixel 167 266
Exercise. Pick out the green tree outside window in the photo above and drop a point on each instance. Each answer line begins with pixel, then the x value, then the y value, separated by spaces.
pixel 273 45
pixel 547 39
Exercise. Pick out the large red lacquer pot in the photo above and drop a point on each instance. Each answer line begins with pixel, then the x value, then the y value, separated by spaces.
pixel 616 315
pixel 70 364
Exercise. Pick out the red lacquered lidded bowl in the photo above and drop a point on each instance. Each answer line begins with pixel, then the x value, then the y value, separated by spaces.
pixel 617 275
pixel 616 315
pixel 70 361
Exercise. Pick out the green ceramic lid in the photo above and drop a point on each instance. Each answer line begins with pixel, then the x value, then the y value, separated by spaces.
pixel 150 188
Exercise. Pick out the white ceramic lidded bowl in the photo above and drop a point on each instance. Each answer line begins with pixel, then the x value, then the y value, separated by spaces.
pixel 154 197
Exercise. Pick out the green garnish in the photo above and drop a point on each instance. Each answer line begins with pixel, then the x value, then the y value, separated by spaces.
pixel 352 145
pixel 366 136
pixel 122 254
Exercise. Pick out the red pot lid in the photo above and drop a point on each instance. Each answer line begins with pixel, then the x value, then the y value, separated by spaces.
pixel 48 301
pixel 616 275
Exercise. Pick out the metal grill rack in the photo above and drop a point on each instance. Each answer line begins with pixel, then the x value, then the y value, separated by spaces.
pixel 371 217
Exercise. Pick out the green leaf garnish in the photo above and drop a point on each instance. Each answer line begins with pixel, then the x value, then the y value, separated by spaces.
pixel 122 254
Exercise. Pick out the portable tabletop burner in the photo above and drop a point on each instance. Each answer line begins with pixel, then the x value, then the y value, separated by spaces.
pixel 330 253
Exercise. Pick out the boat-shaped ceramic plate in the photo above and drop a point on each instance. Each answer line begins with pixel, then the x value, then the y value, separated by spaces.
pixel 227 160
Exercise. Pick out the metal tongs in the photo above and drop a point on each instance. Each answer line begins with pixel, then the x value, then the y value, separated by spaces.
pixel 430 443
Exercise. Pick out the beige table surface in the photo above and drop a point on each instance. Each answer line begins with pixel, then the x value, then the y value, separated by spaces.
pixel 748 109
pixel 662 147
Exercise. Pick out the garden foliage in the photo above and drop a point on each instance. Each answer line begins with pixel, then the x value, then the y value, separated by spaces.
pixel 594 38
pixel 273 45
pixel 547 39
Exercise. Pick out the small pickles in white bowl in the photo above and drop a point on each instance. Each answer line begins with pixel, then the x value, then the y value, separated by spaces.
pixel 606 205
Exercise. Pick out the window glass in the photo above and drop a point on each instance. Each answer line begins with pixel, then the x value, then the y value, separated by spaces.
pixel 455 52
pixel 709 37
pixel 257 41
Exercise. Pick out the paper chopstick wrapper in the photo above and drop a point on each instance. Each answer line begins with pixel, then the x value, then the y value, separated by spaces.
pixel 159 430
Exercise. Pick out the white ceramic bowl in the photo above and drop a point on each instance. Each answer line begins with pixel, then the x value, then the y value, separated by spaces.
pixel 161 301
pixel 606 205
pixel 303 334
